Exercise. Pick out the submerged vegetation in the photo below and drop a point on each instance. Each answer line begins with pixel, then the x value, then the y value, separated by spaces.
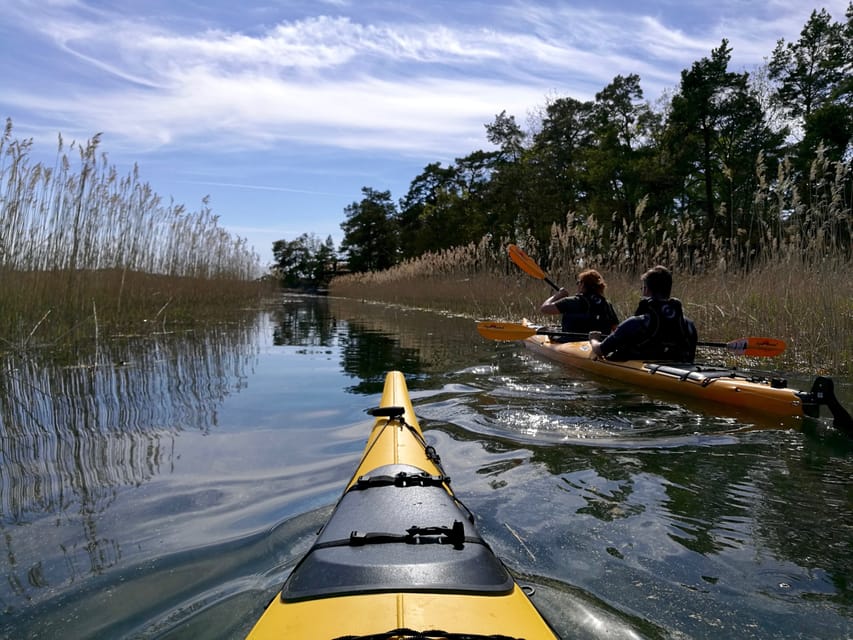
pixel 84 249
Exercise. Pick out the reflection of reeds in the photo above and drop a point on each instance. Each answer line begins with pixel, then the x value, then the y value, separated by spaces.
pixel 74 241
pixel 72 437
pixel 785 271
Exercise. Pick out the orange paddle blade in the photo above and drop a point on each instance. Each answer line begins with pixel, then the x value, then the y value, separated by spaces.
pixel 504 330
pixel 753 346
pixel 525 262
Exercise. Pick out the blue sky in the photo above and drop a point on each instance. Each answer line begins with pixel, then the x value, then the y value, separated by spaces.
pixel 282 111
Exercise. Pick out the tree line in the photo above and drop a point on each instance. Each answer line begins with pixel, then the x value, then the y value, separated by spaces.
pixel 707 154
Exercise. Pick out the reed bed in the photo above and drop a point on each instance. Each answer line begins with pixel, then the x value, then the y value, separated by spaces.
pixel 786 271
pixel 83 248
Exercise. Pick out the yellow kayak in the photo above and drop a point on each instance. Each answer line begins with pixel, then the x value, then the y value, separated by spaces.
pixel 400 556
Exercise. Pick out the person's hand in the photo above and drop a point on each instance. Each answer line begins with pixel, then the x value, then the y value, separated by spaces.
pixel 595 346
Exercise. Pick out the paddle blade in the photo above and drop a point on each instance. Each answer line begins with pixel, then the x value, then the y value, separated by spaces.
pixel 504 330
pixel 760 347
pixel 525 262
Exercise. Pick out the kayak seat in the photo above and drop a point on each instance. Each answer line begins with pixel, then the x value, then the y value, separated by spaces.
pixel 398 530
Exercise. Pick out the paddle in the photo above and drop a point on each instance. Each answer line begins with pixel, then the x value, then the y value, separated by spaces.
pixel 528 265
pixel 752 346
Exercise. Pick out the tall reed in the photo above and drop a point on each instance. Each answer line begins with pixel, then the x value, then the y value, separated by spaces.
pixel 81 244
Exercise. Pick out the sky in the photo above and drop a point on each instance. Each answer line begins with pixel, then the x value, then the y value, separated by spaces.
pixel 282 111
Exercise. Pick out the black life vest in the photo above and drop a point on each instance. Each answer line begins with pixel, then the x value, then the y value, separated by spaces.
pixel 669 335
pixel 598 315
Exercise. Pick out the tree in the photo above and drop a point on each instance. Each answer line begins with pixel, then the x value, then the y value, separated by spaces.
pixel 715 132
pixel 557 163
pixel 815 76
pixel 510 204
pixel 371 239
pixel 809 70
pixel 305 262
pixel 619 176
pixel 420 211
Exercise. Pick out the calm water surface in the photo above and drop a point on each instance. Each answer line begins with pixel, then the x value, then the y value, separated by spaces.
pixel 165 488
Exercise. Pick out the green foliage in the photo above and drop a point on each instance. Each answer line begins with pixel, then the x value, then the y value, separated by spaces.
pixel 305 262
pixel 706 167
pixel 371 240
pixel 815 90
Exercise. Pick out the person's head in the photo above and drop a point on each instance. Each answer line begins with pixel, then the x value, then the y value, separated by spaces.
pixel 590 281
pixel 657 282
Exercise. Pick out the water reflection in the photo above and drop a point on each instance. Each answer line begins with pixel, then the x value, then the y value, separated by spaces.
pixel 374 338
pixel 72 437
pixel 304 320
pixel 624 509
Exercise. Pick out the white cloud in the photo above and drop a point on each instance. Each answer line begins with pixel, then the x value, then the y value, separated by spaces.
pixel 411 86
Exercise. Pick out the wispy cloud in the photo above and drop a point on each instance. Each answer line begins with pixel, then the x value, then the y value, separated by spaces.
pixel 336 81
pixel 255 187
pixel 337 93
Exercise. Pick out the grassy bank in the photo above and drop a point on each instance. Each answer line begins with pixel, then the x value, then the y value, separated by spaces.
pixel 66 312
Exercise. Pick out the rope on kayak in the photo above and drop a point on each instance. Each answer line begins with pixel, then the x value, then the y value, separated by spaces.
pixel 411 634
pixel 396 414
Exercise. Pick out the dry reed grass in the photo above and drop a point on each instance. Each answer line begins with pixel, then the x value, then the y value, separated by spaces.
pixel 82 247
pixel 785 272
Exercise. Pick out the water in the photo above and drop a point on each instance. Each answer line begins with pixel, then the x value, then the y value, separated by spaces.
pixel 165 488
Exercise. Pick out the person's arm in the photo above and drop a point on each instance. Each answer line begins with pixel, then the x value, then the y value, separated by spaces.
pixel 550 305
pixel 628 331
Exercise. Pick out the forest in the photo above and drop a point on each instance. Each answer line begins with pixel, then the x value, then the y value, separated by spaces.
pixel 727 163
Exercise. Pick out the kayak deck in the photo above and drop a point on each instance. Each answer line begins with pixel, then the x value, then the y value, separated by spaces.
pixel 400 554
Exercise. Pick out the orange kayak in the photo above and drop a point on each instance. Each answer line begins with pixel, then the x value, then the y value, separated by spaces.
pixel 770 397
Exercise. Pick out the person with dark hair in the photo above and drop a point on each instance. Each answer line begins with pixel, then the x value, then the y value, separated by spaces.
pixel 658 330
pixel 587 310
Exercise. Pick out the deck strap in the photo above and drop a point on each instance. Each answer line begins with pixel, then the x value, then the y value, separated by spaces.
pixel 401 479
pixel 454 535
pixel 705 375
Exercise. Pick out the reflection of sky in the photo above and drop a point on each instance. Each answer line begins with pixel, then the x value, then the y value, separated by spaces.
pixel 258 453
pixel 682 526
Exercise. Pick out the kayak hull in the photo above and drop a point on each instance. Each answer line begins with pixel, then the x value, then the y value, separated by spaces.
pixel 726 386
pixel 399 552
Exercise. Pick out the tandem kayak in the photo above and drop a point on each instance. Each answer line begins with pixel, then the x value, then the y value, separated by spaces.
pixel 752 392
pixel 400 556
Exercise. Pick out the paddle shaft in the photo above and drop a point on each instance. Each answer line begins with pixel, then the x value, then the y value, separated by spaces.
pixel 553 286
pixel 752 346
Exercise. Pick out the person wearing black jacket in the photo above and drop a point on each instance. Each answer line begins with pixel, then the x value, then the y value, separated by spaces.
pixel 587 310
pixel 658 330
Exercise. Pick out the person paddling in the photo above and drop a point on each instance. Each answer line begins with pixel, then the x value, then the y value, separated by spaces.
pixel 585 311
pixel 658 330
